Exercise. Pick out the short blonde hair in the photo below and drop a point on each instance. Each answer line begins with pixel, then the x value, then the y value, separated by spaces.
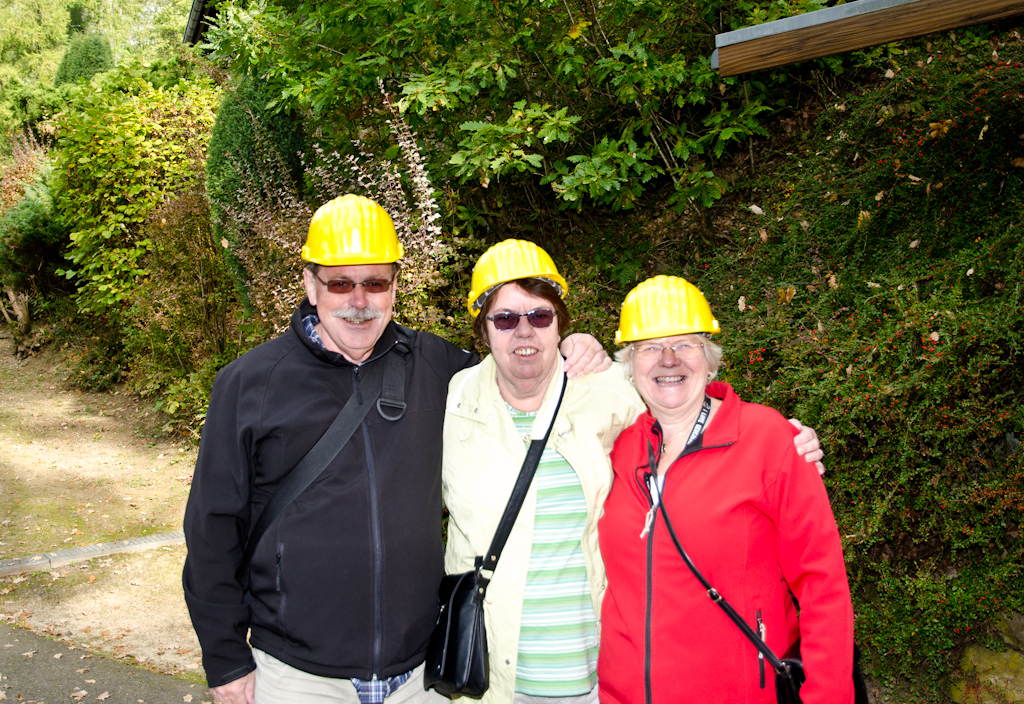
pixel 712 355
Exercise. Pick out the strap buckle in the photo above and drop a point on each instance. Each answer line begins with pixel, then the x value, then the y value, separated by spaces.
pixel 393 403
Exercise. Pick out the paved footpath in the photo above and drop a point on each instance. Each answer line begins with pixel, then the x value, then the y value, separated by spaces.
pixel 37 669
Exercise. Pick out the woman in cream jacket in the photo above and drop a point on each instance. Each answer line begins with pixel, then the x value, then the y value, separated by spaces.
pixel 542 602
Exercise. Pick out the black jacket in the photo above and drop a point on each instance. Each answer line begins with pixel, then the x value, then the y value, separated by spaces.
pixel 344 584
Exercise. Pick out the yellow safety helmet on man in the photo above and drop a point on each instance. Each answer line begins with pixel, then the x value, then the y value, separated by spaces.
pixel 507 261
pixel 351 230
pixel 662 307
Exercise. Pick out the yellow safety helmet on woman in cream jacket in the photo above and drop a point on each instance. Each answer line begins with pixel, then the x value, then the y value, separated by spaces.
pixel 507 261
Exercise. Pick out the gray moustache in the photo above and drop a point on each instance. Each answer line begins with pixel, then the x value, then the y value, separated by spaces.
pixel 357 315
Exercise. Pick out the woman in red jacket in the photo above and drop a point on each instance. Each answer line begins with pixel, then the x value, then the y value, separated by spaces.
pixel 752 515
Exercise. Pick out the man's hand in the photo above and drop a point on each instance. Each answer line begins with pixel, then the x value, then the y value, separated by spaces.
pixel 241 691
pixel 583 355
pixel 808 446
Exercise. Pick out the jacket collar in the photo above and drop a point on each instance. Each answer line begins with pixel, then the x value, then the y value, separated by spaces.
pixel 476 395
pixel 386 341
pixel 724 428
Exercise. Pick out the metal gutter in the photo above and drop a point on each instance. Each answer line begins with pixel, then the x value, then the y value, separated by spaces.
pixel 195 19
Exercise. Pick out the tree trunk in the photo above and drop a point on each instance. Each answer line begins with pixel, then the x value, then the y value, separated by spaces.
pixel 19 302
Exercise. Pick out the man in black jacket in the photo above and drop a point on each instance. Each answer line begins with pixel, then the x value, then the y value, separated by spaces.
pixel 341 593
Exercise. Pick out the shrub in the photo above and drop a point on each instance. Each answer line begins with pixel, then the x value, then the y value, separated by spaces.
pixel 121 153
pixel 246 138
pixel 20 171
pixel 269 224
pixel 32 238
pixel 30 106
pixel 183 321
pixel 86 55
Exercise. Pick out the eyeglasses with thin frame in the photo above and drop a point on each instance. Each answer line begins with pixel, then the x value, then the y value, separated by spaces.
pixel 683 350
pixel 540 318
pixel 346 286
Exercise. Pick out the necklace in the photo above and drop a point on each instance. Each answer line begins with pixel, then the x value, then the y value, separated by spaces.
pixel 670 438
pixel 698 426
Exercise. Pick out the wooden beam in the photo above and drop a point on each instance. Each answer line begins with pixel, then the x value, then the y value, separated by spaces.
pixel 896 20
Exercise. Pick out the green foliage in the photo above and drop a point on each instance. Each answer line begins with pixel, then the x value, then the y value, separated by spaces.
pixel 86 55
pixel 32 37
pixel 247 139
pixel 146 30
pixel 97 360
pixel 29 105
pixel 32 105
pixel 234 144
pixel 560 105
pixel 32 237
pixel 880 299
pixel 120 154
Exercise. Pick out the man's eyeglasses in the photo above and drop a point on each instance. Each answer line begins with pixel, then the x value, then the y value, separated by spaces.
pixel 346 286
pixel 540 318
pixel 683 350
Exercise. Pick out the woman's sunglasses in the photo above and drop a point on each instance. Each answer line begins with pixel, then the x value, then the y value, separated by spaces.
pixel 346 286
pixel 540 318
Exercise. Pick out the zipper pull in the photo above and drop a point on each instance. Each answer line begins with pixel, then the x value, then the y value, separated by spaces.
pixel 649 521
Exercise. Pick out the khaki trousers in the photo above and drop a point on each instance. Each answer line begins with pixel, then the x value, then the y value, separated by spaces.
pixel 279 683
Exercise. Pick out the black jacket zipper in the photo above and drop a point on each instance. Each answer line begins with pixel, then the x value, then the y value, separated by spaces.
pixel 375 530
pixel 760 655
pixel 378 547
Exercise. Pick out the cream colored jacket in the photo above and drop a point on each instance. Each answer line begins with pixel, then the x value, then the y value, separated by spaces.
pixel 483 454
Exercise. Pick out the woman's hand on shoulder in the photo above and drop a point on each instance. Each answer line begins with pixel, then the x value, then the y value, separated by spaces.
pixel 808 446
pixel 583 355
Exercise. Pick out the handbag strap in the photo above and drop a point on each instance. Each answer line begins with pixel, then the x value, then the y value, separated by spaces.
pixel 387 374
pixel 756 640
pixel 519 491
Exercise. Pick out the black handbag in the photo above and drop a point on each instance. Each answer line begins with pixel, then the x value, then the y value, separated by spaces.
pixel 457 653
pixel 787 689
pixel 789 670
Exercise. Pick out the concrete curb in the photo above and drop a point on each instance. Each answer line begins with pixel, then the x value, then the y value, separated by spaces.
pixel 49 560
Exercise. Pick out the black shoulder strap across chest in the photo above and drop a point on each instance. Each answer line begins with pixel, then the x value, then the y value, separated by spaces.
pixel 380 383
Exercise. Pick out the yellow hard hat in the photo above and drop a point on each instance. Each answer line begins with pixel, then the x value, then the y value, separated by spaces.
pixel 661 307
pixel 507 261
pixel 351 229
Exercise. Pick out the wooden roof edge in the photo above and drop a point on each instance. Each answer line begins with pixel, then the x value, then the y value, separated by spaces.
pixel 808 19
pixel 864 23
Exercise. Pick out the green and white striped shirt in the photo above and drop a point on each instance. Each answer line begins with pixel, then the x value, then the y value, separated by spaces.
pixel 558 636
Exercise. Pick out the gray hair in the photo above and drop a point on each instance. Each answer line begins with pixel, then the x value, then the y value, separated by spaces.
pixel 712 355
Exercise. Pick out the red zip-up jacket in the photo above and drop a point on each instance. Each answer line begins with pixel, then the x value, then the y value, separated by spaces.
pixel 755 519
